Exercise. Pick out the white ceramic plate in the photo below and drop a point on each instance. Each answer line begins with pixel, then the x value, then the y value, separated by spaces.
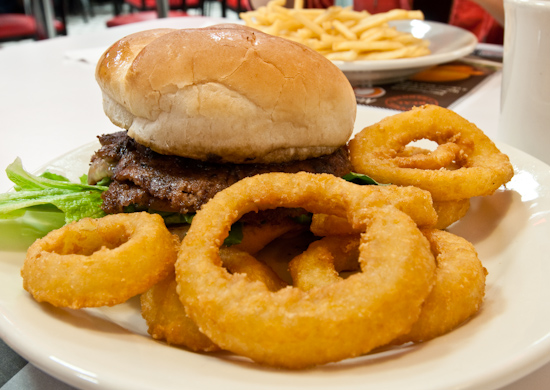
pixel 109 349
pixel 447 43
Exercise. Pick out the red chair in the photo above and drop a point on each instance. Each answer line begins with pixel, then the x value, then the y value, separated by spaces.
pixel 372 6
pixel 140 17
pixel 144 5
pixel 148 5
pixel 14 27
pixel 376 6
pixel 472 17
pixel 236 5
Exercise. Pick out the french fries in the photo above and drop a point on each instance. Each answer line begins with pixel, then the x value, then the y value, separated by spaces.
pixel 340 34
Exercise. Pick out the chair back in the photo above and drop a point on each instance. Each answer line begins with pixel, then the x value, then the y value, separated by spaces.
pixel 376 6
pixel 36 20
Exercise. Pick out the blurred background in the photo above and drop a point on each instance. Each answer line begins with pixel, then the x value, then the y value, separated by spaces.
pixel 75 17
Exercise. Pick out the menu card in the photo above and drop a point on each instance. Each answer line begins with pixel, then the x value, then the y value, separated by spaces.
pixel 442 85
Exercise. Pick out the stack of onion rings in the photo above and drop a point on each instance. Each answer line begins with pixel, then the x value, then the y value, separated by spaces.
pixel 305 328
pixel 408 281
pixel 456 296
pixel 166 317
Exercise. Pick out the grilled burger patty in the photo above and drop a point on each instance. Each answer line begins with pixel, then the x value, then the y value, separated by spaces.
pixel 144 179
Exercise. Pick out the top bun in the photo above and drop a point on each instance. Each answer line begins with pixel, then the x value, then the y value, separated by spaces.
pixel 226 93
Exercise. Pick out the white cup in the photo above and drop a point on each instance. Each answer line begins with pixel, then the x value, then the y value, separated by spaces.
pixel 525 100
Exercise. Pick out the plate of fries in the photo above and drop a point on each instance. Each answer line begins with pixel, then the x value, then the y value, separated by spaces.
pixel 369 48
pixel 447 43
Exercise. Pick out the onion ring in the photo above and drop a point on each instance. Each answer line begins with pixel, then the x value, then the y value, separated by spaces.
pixel 456 296
pixel 323 225
pixel 458 291
pixel 482 167
pixel 412 201
pixel 167 320
pixel 320 265
pixel 417 158
pixel 256 237
pixel 292 328
pixel 166 317
pixel 99 262
pixel 450 211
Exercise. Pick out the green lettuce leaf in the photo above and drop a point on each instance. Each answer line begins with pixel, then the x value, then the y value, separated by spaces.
pixel 49 192
pixel 361 179
pixel 235 236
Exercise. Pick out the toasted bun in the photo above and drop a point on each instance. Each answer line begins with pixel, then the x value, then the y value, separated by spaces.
pixel 227 93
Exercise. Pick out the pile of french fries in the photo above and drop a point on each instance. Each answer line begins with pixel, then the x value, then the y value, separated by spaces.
pixel 340 34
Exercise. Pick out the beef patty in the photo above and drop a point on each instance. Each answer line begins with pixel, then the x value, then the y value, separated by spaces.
pixel 144 179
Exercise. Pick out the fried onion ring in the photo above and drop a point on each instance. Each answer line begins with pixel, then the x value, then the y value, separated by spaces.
pixel 417 158
pixel 320 265
pixel 450 211
pixel 292 328
pixel 414 202
pixel 167 320
pixel 456 296
pixel 166 317
pixel 323 225
pixel 481 169
pixel 458 291
pixel 99 262
pixel 256 237
pixel 239 262
pixel 411 200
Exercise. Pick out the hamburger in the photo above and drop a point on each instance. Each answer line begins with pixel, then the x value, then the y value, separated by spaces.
pixel 204 108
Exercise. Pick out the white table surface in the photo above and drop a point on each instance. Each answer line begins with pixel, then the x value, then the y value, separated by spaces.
pixel 51 104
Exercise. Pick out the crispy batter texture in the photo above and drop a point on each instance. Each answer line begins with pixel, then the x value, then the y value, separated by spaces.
pixel 478 169
pixel 330 225
pixel 456 296
pixel 412 201
pixel 99 262
pixel 290 327
pixel 320 265
pixel 240 262
pixel 323 225
pixel 442 156
pixel 166 317
pixel 458 291
pixel 448 212
pixel 256 237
